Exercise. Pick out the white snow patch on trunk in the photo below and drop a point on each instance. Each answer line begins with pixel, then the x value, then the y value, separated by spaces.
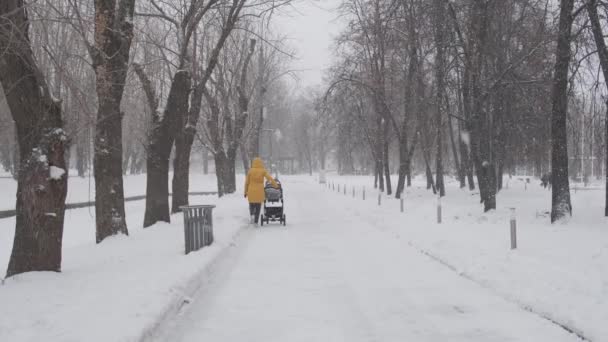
pixel 56 172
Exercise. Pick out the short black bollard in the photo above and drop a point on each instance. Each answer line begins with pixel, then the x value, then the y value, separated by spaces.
pixel 353 192
pixel 344 189
pixel 401 203
pixel 198 226
pixel 380 198
pixel 513 229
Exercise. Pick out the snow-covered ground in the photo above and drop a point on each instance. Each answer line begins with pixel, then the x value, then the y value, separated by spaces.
pixel 334 276
pixel 558 271
pixel 117 290
pixel 343 269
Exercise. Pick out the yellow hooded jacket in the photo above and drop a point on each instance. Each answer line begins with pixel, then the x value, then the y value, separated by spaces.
pixel 254 184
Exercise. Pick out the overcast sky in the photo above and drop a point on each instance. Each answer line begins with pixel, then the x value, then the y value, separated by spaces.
pixel 310 26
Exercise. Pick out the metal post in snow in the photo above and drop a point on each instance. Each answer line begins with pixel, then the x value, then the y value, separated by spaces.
pixel 364 193
pixel 353 192
pixel 401 203
pixel 439 209
pixel 338 188
pixel 513 230
pixel 344 189
pixel 379 198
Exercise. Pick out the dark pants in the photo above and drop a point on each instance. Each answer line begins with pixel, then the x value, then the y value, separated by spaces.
pixel 254 209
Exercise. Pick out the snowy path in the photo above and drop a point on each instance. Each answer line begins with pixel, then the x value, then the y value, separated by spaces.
pixel 330 276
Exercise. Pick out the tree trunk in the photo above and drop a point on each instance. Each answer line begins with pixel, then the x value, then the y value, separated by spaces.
pixel 205 161
pixel 464 146
pixel 376 174
pixel 181 170
pixel 160 144
pixel 386 158
pixel 244 158
pixel 560 199
pixel 404 165
pixel 439 15
pixel 380 173
pixel 430 183
pixel 481 140
pixel 600 44
pixel 42 182
pixel 220 165
pixel 113 36
pixel 82 162
pixel 187 118
pixel 186 126
pixel 16 157
pixel 379 142
pixel 606 159
pixel 457 164
pixel 230 172
pixel 499 174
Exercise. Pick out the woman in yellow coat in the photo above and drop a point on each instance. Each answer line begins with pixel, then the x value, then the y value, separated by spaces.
pixel 254 188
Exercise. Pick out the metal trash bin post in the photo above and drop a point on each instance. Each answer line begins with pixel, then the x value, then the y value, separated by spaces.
pixel 198 226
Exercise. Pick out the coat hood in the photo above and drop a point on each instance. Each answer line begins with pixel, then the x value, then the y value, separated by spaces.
pixel 257 163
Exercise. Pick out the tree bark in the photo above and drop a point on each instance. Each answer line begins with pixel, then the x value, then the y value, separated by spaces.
pixel 160 143
pixel 244 157
pixel 188 120
pixel 82 161
pixel 16 157
pixel 42 182
pixel 113 36
pixel 439 14
pixel 205 161
pixel 602 50
pixel 457 164
pixel 220 165
pixel 404 165
pixel 481 140
pixel 560 196
pixel 379 142
pixel 386 158
pixel 181 169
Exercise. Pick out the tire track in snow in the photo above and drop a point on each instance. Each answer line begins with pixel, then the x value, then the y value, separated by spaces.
pixel 210 284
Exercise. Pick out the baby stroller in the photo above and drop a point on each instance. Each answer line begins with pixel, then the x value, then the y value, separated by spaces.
pixel 273 205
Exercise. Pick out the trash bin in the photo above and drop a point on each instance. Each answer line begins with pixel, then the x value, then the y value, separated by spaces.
pixel 198 226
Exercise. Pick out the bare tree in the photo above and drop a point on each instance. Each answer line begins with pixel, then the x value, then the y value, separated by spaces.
pixel 110 55
pixel 187 130
pixel 42 182
pixel 560 199
pixel 439 12
pixel 602 50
